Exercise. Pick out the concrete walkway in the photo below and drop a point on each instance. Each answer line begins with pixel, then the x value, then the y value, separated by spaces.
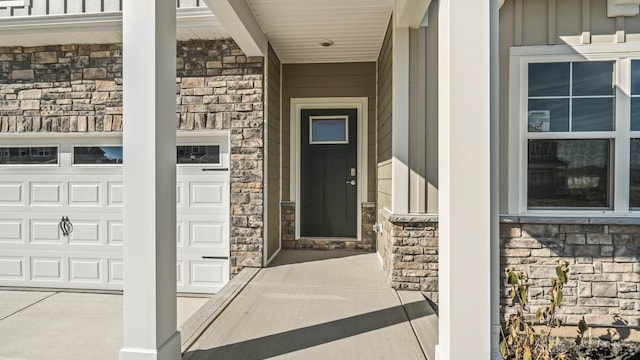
pixel 315 305
pixel 66 325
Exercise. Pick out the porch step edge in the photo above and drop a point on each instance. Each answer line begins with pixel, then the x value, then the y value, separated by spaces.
pixel 423 320
pixel 192 328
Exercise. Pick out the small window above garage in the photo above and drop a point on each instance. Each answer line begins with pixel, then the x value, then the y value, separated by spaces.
pixel 198 154
pixel 25 155
pixel 97 155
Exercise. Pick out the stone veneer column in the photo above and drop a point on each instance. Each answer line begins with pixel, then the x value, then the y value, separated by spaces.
pixel 149 178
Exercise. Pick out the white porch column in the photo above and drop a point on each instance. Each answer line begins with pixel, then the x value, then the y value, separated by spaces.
pixel 464 179
pixel 400 121
pixel 149 138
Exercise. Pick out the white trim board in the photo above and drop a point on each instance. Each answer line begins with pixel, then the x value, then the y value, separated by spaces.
pixel 361 104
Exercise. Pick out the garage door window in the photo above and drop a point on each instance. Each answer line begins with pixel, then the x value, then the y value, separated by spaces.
pixel 198 154
pixel 24 155
pixel 97 155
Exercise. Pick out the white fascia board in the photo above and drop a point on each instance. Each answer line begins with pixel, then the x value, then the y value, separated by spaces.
pixel 238 19
pixel 108 21
pixel 410 13
pixel 617 8
pixel 13 3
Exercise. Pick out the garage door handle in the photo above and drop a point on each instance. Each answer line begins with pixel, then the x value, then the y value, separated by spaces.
pixel 65 226
pixel 215 169
pixel 216 257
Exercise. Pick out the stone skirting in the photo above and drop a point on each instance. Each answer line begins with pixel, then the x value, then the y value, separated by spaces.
pixel 289 241
pixel 604 265
pixel 408 246
pixel 78 88
pixel 603 253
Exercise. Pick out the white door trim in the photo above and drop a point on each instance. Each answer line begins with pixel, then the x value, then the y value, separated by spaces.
pixel 361 104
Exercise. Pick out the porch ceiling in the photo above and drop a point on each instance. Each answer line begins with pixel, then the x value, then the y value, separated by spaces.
pixel 295 28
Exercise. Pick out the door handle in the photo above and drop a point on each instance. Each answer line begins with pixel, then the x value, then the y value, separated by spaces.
pixel 351 182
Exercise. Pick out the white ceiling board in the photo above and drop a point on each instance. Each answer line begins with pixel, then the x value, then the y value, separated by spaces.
pixel 295 28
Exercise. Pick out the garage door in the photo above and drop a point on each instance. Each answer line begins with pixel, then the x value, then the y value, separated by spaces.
pixel 44 182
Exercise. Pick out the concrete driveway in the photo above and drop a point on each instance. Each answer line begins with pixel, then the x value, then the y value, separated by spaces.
pixel 67 325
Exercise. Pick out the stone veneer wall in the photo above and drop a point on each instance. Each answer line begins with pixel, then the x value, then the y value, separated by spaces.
pixel 604 258
pixel 289 241
pixel 78 88
pixel 410 252
pixel 604 265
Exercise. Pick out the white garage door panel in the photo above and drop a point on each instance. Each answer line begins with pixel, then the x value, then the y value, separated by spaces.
pixel 84 194
pixel 35 253
pixel 46 268
pixel 85 270
pixel 46 193
pixel 11 194
pixel 202 275
pixel 11 231
pixel 115 193
pixel 12 268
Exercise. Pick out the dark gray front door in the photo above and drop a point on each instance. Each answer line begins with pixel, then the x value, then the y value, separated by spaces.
pixel 329 188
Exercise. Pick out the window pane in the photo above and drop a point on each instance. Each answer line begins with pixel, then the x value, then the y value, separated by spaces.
pixel 195 154
pixel 592 114
pixel 87 155
pixel 634 181
pixel 593 78
pixel 549 79
pixel 29 155
pixel 558 112
pixel 568 173
pixel 635 114
pixel 329 130
pixel 635 77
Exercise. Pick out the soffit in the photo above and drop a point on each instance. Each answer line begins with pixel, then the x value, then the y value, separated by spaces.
pixel 295 28
pixel 99 28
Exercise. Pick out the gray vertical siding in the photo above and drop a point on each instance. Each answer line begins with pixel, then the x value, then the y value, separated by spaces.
pixel 328 80
pixel 384 129
pixel 273 154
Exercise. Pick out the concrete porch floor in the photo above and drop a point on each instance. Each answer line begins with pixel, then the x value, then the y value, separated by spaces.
pixel 309 304
pixel 316 304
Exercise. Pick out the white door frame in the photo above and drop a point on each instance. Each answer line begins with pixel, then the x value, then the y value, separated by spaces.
pixel 361 104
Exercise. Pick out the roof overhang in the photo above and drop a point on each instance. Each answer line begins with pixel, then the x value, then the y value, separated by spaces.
pixel 238 19
pixel 192 23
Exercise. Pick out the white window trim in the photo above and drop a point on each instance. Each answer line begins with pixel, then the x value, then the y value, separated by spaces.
pixel 520 57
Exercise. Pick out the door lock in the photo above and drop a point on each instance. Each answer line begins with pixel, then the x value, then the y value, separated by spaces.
pixel 351 182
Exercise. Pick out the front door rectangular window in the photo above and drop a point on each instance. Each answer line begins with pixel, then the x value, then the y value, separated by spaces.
pixel 329 129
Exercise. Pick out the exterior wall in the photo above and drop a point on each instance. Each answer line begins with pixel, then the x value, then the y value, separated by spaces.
pixel 327 80
pixel 61 7
pixel 273 153
pixel 604 270
pixel 542 22
pixel 383 138
pixel 78 88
